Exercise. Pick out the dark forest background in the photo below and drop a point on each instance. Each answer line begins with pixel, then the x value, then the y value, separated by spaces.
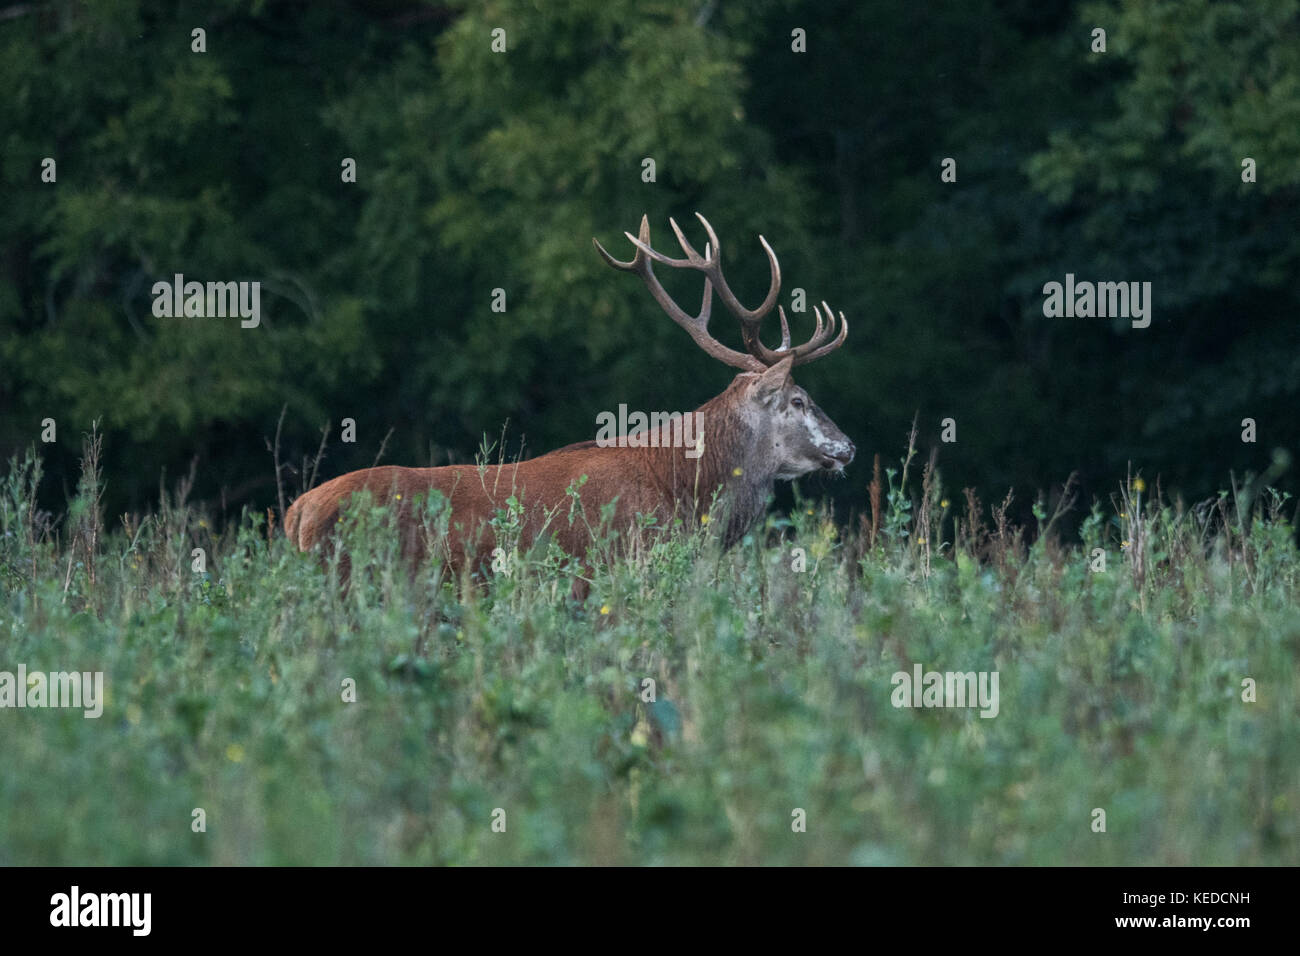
pixel 479 170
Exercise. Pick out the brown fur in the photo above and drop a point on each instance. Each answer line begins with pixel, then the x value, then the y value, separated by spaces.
pixel 744 453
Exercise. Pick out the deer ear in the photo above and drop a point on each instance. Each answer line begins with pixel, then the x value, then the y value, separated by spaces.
pixel 772 383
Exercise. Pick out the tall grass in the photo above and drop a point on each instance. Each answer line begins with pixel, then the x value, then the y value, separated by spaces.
pixel 1121 689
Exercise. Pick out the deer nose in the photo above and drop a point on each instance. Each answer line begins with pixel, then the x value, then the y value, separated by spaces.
pixel 837 459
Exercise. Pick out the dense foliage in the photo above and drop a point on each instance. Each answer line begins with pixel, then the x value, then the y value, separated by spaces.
pixel 479 170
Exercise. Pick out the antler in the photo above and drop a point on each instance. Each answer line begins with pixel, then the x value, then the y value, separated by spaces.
pixel 757 356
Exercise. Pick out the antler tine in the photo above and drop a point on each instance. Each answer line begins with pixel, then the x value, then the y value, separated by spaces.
pixel 816 347
pixel 640 264
pixel 785 329
pixel 714 267
pixel 695 325
pixel 749 319
pixel 634 264
pixel 822 342
pixel 693 259
pixel 691 255
pixel 711 265
pixel 824 330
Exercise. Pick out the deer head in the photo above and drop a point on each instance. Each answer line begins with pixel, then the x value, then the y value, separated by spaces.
pixel 785 427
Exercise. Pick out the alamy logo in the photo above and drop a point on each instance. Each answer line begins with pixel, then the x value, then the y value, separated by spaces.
pixel 1102 300
pixel 923 688
pixel 213 300
pixel 655 430
pixel 103 909
pixel 55 689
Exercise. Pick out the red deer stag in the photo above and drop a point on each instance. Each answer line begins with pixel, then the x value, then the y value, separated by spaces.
pixel 763 427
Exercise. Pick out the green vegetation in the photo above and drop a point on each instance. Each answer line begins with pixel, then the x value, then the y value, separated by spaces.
pixel 1172 157
pixel 479 170
pixel 1120 689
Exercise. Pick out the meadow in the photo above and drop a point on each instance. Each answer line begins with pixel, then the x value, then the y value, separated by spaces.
pixel 509 723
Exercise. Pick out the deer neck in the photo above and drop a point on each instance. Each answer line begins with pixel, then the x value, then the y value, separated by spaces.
pixel 732 459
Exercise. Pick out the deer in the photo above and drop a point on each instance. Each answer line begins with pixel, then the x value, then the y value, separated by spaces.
pixel 761 429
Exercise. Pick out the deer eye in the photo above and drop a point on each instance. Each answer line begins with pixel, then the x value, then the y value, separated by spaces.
pixel 797 402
